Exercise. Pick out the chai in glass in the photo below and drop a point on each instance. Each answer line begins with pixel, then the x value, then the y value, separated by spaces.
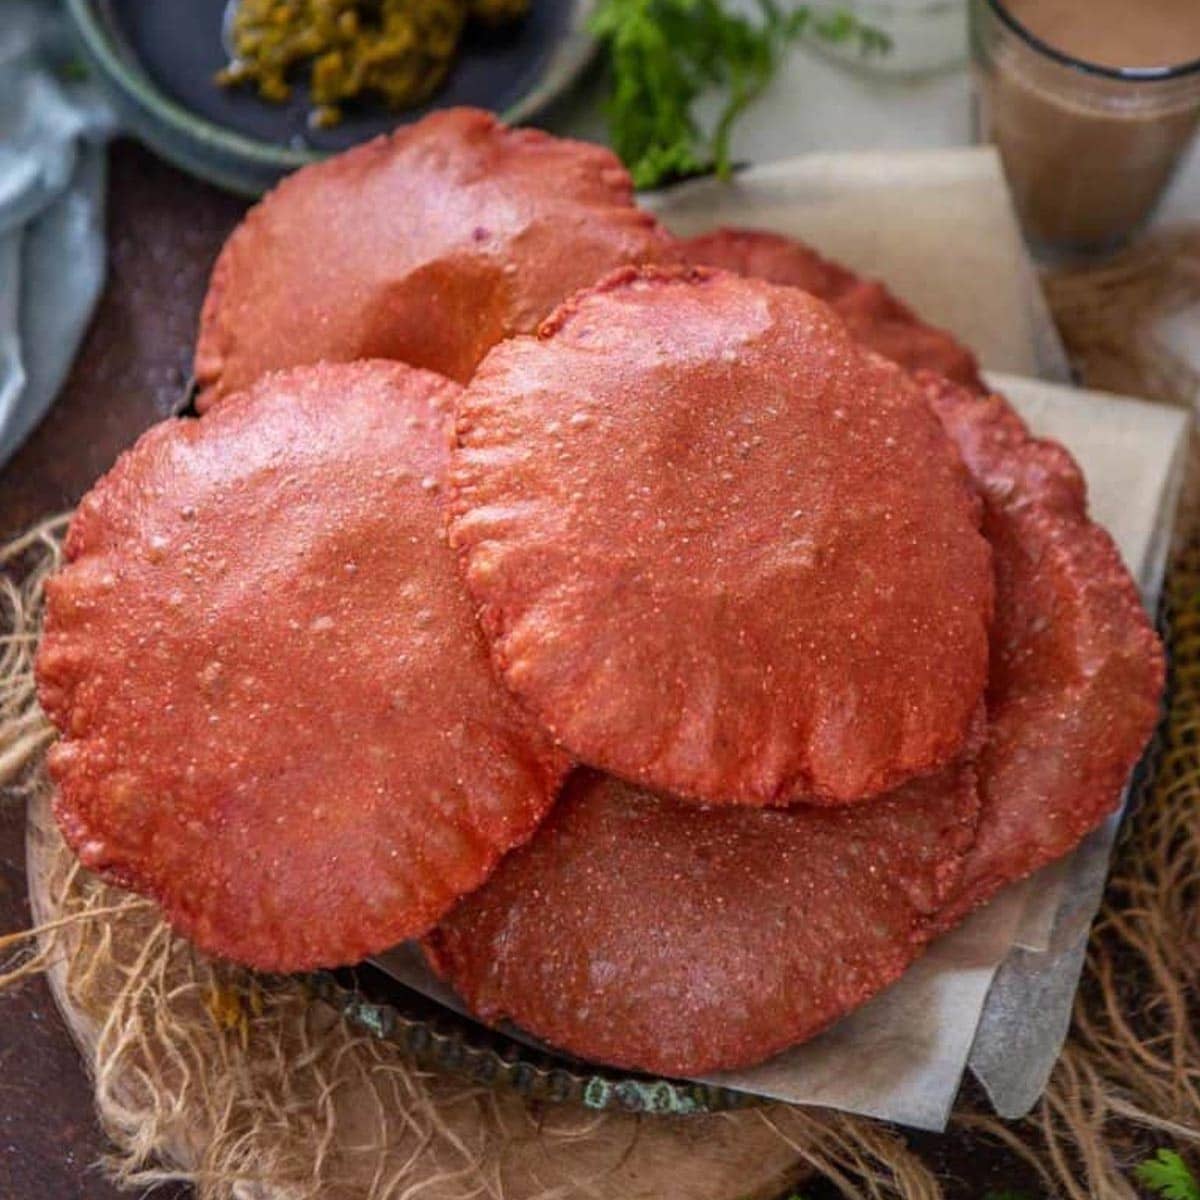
pixel 1091 104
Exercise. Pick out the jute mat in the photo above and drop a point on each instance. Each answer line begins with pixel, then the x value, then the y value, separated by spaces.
pixel 249 1089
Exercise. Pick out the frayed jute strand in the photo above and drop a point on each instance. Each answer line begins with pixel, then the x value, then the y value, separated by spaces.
pixel 23 730
pixel 861 1157
pixel 249 1088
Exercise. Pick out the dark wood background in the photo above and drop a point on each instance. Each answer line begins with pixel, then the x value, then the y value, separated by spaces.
pixel 164 231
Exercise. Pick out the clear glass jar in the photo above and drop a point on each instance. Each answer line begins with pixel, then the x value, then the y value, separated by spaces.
pixel 925 36
pixel 1087 149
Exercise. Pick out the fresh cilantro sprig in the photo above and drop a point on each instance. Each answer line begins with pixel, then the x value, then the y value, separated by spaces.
pixel 1167 1175
pixel 664 55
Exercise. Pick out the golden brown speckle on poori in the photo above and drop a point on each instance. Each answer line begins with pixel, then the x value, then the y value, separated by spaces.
pixel 875 316
pixel 662 936
pixel 720 548
pixel 1077 671
pixel 428 245
pixel 278 715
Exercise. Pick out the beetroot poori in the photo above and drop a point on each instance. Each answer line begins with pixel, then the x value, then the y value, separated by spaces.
pixel 721 549
pixel 428 245
pixel 653 934
pixel 278 716
pixel 1077 671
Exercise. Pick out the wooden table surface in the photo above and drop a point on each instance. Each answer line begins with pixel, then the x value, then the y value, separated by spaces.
pixel 164 232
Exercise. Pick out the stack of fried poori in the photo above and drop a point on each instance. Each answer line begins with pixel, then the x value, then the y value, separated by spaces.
pixel 678 661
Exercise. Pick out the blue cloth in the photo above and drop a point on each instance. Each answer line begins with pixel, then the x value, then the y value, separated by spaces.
pixel 53 130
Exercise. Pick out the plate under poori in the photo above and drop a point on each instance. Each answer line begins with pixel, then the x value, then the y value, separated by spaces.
pixel 439 1038
pixel 157 59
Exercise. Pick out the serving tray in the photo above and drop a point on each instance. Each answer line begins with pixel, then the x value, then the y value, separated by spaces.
pixel 437 1037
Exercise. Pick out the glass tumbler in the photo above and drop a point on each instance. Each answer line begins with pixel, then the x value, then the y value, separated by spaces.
pixel 1087 149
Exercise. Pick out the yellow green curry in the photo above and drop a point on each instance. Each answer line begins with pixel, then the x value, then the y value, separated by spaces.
pixel 396 51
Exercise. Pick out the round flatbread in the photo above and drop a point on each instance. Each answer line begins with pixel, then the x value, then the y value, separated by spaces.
pixel 429 246
pixel 660 936
pixel 721 549
pixel 875 316
pixel 278 716
pixel 1077 671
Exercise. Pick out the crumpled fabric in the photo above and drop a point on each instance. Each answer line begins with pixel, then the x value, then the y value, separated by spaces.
pixel 54 127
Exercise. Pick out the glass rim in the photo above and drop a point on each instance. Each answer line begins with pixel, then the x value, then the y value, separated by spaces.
pixel 1125 74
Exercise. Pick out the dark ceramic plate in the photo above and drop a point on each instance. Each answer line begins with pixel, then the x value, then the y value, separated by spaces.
pixel 158 58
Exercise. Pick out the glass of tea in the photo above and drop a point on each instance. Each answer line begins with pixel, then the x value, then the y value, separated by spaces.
pixel 1091 105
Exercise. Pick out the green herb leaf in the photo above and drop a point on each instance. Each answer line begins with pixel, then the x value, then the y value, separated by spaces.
pixel 73 70
pixel 665 54
pixel 1167 1175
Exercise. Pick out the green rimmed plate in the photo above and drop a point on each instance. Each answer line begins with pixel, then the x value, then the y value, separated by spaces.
pixel 439 1038
pixel 157 60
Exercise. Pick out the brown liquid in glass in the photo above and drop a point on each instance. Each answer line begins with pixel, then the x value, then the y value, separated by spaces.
pixel 1087 156
pixel 1116 33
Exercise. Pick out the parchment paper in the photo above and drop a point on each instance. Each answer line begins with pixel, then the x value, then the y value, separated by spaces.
pixel 1132 455
pixel 937 225
pixel 996 991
